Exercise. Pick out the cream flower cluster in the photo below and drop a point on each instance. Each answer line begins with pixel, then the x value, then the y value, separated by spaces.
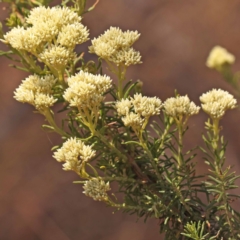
pixel 218 57
pixel 47 25
pixel 97 189
pixel 138 109
pixel 180 106
pixel 36 91
pixel 74 153
pixel 216 102
pixel 86 90
pixel 115 46
pixel 57 56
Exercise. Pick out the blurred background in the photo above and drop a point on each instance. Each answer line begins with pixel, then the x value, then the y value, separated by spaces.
pixel 38 201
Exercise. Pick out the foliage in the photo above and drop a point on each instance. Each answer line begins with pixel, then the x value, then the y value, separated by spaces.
pixel 106 141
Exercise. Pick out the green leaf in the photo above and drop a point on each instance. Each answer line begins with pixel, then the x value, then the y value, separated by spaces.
pixel 48 127
pixel 94 170
pixel 129 89
pixel 2 53
pixel 55 148
pixel 20 68
pixel 132 142
pixel 79 182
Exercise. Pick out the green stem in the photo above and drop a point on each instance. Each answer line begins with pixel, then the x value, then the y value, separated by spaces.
pixel 215 133
pixel 123 205
pixel 120 179
pixel 46 112
pixel 121 78
pixel 60 73
pixel 180 142
pixel 30 62
pixel 111 67
pixel 60 76
pixel 227 211
pixel 182 199
pixel 163 137
pixel 151 158
pixel 220 176
pixel 120 82
pixel 121 74
pixel 88 121
pixel 81 4
pixel 181 162
pixel 124 158
pixel 109 144
pixel 232 79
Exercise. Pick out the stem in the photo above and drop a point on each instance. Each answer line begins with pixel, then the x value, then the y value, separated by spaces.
pixel 180 142
pixel 132 161
pixel 60 73
pixel 151 158
pixel 231 78
pixel 180 160
pixel 109 144
pixel 31 63
pixel 219 175
pixel 46 112
pixel 123 205
pixel 125 158
pixel 164 137
pixel 120 73
pixel 182 199
pixel 215 133
pixel 88 121
pixel 120 81
pixel 226 210
pixel 120 179
pixel 81 4
pixel 121 78
pixel 60 77
pixel 111 67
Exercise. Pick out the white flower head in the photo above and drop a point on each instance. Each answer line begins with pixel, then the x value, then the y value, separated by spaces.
pixel 34 39
pixel 115 46
pixel 57 56
pixel 42 100
pixel 67 15
pixel 216 102
pixel 36 83
pixel 86 90
pixel 36 91
pixel 24 95
pixel 180 106
pixel 133 120
pixel 146 106
pixel 218 57
pixel 47 31
pixel 56 15
pixel 39 13
pixel 46 26
pixel 73 34
pixel 82 95
pixel 97 189
pixel 123 107
pixel 16 37
pixel 137 110
pixel 24 39
pixel 125 56
pixel 74 153
pixel 102 49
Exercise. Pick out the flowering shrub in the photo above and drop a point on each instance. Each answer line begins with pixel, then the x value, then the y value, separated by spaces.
pixel 106 141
